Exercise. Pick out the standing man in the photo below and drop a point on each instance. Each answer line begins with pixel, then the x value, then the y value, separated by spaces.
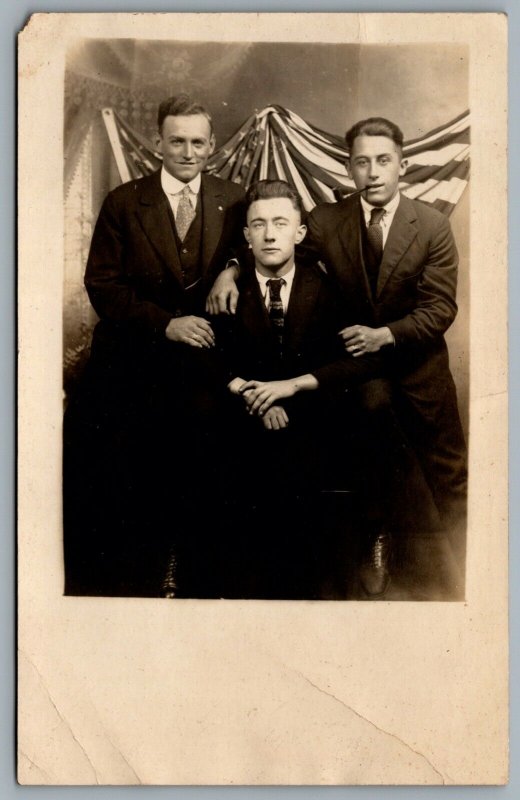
pixel 394 261
pixel 135 431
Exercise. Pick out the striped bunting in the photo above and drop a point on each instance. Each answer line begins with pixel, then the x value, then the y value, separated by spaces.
pixel 277 143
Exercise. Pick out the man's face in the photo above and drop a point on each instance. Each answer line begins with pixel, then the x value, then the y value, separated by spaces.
pixel 376 160
pixel 185 143
pixel 273 229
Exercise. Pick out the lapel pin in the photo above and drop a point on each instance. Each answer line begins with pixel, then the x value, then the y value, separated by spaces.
pixel 220 208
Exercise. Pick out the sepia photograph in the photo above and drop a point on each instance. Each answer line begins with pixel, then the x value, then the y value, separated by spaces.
pixel 223 441
pixel 262 466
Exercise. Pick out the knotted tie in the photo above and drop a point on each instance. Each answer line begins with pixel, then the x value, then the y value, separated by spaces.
pixel 185 213
pixel 276 306
pixel 375 232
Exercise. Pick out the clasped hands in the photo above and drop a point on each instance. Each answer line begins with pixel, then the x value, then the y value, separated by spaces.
pixel 262 397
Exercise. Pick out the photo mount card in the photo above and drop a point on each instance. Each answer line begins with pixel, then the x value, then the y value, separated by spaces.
pixel 259 689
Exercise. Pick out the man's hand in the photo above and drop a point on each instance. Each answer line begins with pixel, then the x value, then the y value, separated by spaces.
pixel 359 339
pixel 275 419
pixel 195 331
pixel 260 396
pixel 223 296
pixel 235 385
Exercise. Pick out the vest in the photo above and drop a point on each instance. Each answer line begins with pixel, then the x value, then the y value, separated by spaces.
pixel 190 258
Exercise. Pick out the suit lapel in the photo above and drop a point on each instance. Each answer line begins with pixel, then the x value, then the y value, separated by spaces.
pixel 304 293
pixel 400 236
pixel 154 212
pixel 254 312
pixel 213 213
pixel 350 238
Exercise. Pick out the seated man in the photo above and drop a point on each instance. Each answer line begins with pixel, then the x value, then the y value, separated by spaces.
pixel 288 369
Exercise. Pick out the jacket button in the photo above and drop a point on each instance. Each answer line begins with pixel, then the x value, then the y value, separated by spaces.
pixel 184 249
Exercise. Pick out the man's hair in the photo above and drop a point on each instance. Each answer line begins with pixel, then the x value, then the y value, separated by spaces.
pixel 181 106
pixel 267 190
pixel 374 126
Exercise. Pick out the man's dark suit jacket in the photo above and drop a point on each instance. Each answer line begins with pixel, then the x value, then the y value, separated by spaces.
pixel 415 299
pixel 313 443
pixel 417 280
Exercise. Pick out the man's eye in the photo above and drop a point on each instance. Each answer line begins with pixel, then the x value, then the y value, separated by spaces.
pixel 281 223
pixel 384 161
pixel 361 163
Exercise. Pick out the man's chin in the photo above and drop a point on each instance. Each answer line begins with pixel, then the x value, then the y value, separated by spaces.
pixel 378 197
pixel 184 172
pixel 273 264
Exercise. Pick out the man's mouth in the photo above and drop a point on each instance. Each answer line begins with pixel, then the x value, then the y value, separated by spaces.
pixel 271 249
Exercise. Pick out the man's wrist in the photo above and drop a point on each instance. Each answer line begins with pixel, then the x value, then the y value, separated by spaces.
pixel 305 383
pixel 387 337
pixel 169 327
pixel 232 268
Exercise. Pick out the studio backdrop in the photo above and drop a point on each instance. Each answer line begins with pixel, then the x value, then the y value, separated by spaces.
pixel 278 110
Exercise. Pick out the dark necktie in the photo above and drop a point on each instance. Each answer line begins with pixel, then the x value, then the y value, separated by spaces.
pixel 375 233
pixel 276 306
pixel 185 213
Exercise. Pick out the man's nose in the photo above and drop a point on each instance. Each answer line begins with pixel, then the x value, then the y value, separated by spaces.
pixel 188 150
pixel 374 170
pixel 269 233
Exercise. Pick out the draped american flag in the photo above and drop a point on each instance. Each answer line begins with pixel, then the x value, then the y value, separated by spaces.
pixel 277 143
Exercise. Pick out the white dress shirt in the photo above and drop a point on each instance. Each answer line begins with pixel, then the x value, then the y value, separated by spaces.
pixel 285 291
pixel 173 188
pixel 388 217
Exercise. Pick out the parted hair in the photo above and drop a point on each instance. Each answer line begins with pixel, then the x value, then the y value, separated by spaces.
pixel 374 126
pixel 267 190
pixel 181 105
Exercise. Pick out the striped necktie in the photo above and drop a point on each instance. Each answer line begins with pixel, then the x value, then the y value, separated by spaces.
pixel 375 233
pixel 276 306
pixel 185 213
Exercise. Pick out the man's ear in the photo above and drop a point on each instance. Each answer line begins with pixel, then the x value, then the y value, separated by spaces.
pixel 247 235
pixel 403 167
pixel 212 143
pixel 300 233
pixel 347 167
pixel 158 142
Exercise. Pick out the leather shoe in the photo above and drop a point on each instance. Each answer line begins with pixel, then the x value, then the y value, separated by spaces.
pixel 374 572
pixel 169 586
